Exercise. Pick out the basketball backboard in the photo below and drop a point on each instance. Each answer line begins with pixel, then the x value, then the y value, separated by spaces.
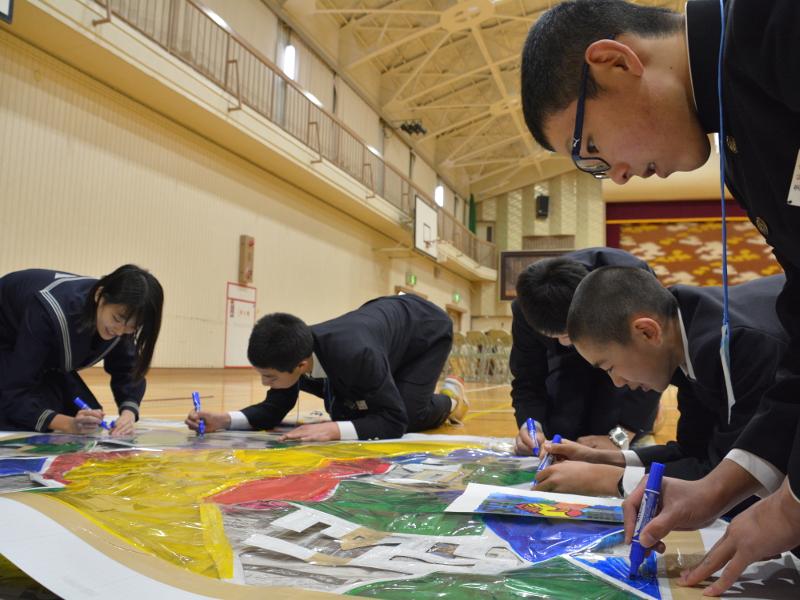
pixel 6 10
pixel 426 228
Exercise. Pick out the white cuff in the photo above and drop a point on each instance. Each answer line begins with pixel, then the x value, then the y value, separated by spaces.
pixel 764 471
pixel 347 431
pixel 632 459
pixel 631 478
pixel 238 420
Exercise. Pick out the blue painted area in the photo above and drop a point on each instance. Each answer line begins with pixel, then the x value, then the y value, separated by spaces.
pixel 413 458
pixel 457 456
pixel 617 567
pixel 529 506
pixel 44 439
pixel 536 540
pixel 20 466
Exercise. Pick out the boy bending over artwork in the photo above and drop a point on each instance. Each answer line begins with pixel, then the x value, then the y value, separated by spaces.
pixel 645 336
pixel 552 384
pixel 375 368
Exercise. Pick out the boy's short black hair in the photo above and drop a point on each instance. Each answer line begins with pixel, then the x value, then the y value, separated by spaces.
pixel 553 54
pixel 544 292
pixel 608 298
pixel 279 341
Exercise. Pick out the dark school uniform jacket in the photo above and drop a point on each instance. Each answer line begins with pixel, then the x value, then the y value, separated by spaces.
pixel 758 342
pixel 761 110
pixel 557 387
pixel 40 330
pixel 362 352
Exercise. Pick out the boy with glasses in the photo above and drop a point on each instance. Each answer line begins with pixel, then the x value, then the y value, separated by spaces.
pixel 649 100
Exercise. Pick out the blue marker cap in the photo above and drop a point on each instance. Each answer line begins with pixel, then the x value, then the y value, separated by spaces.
pixel 201 428
pixel 83 406
pixel 532 432
pixel 646 512
pixel 547 460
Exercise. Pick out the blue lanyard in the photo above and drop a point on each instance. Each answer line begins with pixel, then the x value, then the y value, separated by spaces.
pixel 725 338
pixel 721 144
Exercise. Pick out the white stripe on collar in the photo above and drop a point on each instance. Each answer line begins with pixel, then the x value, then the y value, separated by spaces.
pixel 317 371
pixel 688 369
pixel 61 317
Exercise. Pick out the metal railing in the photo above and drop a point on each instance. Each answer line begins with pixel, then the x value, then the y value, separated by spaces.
pixel 184 30
pixel 451 230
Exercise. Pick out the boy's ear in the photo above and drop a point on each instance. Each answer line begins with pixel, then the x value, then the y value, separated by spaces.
pixel 609 57
pixel 647 329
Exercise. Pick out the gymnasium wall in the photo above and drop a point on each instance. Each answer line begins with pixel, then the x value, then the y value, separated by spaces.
pixel 90 179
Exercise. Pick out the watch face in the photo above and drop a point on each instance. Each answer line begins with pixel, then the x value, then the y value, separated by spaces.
pixel 618 436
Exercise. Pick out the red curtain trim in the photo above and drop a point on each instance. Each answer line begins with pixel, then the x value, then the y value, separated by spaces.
pixel 677 209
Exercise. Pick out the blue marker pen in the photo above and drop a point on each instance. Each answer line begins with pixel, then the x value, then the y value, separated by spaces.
pixel 532 432
pixel 547 459
pixel 83 406
pixel 646 512
pixel 201 428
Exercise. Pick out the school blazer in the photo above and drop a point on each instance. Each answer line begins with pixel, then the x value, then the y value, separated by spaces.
pixel 758 343
pixel 40 330
pixel 545 374
pixel 362 352
pixel 761 97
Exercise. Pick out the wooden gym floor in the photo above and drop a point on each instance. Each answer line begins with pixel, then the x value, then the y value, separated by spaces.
pixel 169 391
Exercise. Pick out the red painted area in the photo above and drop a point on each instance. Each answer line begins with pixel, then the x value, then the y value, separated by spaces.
pixel 65 462
pixel 313 486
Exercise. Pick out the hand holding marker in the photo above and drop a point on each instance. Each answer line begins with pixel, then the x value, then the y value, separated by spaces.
pixel 547 459
pixel 532 432
pixel 83 406
pixel 201 428
pixel 647 511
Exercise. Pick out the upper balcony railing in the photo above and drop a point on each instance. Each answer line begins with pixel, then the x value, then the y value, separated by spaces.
pixel 187 32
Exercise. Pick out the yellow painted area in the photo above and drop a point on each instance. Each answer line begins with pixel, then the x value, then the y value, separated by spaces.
pixel 155 500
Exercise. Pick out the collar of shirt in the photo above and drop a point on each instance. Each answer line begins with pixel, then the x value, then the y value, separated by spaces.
pixel 703 27
pixel 687 367
pixel 317 372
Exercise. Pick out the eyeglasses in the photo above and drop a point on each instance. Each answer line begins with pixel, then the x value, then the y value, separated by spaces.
pixel 595 166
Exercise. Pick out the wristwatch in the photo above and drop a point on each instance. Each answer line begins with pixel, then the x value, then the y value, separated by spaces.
pixel 620 437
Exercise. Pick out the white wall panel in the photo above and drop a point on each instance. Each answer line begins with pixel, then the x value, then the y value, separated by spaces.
pixel 358 115
pixel 90 180
pixel 251 20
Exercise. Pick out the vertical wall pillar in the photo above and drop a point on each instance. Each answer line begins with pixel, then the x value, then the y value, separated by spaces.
pixel 591 212
pixel 508 226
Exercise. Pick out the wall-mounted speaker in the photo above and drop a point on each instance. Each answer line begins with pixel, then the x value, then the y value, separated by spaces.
pixel 542 206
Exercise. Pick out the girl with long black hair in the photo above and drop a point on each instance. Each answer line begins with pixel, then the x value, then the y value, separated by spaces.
pixel 54 324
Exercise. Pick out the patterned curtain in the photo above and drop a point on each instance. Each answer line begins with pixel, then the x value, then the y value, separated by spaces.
pixel 690 252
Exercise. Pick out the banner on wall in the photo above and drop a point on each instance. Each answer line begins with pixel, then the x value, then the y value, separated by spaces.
pixel 240 316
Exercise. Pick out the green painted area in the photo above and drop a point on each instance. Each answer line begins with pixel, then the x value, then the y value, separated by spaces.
pixel 36 449
pixel 555 578
pixel 396 511
pixel 496 473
